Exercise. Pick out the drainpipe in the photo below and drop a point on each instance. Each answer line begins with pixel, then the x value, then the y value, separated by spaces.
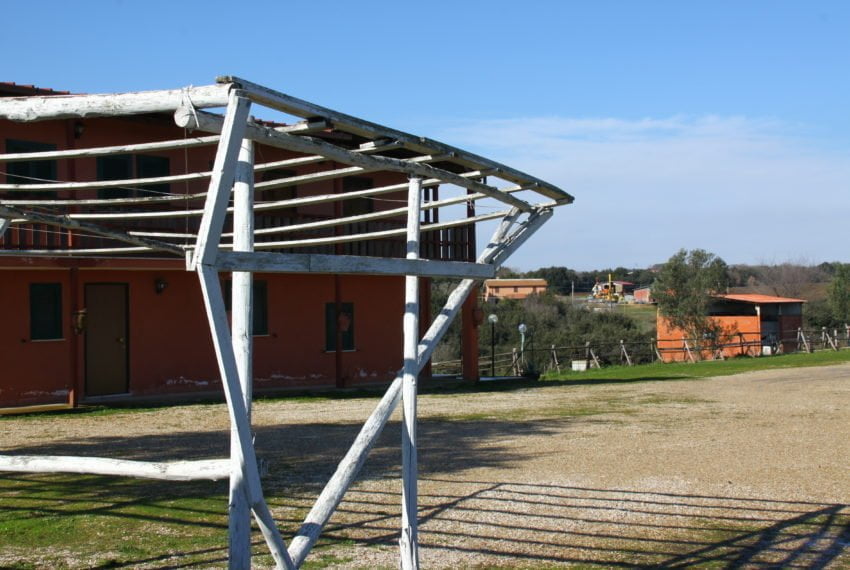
pixel 340 381
pixel 75 375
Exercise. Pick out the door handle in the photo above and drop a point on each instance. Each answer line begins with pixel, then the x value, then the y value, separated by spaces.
pixel 120 340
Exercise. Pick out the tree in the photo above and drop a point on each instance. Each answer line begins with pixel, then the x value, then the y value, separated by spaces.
pixel 839 294
pixel 559 279
pixel 683 290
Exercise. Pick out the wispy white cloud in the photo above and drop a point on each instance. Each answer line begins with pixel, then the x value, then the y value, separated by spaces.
pixel 746 189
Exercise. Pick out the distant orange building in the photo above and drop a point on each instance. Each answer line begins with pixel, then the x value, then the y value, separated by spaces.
pixel 643 295
pixel 495 289
pixel 748 323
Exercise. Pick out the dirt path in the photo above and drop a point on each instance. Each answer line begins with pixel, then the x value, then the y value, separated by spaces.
pixel 738 471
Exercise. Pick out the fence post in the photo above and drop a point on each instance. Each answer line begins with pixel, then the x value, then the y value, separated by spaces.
pixel 555 359
pixel 656 350
pixel 687 349
pixel 593 356
pixel 624 352
pixel 515 362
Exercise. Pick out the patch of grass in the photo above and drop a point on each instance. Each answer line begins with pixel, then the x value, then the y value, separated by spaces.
pixel 644 315
pixel 323 560
pixel 688 370
pixel 109 522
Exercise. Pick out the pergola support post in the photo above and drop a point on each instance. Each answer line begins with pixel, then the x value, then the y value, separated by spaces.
pixel 214 305
pixel 239 520
pixel 409 542
pixel 204 262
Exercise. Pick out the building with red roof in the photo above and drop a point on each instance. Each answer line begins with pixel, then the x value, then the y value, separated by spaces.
pixel 749 324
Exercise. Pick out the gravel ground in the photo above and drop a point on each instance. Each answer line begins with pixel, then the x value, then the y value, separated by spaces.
pixel 747 471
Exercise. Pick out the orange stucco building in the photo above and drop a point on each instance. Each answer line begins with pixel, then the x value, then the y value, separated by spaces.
pixel 495 289
pixel 748 322
pixel 97 328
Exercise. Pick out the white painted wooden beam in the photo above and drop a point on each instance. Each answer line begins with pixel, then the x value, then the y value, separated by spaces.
pixel 214 305
pixel 267 262
pixel 224 174
pixel 103 184
pixel 190 142
pixel 4 225
pixel 526 230
pixel 40 108
pixel 350 238
pixel 379 215
pixel 409 540
pixel 242 292
pixel 64 252
pixel 209 469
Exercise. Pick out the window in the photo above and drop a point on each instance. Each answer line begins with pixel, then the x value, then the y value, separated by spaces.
pixel 344 319
pixel 46 311
pixel 31 171
pixel 260 310
pixel 153 167
pixel 276 194
pixel 357 206
pixel 129 166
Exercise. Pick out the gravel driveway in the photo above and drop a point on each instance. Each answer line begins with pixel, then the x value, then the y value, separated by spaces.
pixel 739 471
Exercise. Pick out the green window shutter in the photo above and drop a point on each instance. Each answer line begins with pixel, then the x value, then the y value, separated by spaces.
pixel 46 311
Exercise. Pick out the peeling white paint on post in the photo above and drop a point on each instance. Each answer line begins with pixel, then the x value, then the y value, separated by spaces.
pixel 210 469
pixel 239 520
pixel 41 108
pixel 409 541
pixel 223 176
pixel 4 225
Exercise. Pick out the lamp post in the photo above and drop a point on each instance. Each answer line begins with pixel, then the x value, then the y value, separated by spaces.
pixel 522 330
pixel 493 318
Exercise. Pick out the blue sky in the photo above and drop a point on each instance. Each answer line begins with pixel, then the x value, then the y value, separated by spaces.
pixel 719 125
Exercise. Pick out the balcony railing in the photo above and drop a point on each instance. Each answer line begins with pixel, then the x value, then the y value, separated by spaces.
pixel 447 244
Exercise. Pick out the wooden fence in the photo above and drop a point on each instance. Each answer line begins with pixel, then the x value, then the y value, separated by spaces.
pixel 537 360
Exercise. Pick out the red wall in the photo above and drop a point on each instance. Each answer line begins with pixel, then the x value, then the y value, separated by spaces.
pixel 170 347
pixel 671 346
pixel 33 371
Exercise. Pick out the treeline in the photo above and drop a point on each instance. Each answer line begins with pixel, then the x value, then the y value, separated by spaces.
pixel 563 280
pixel 825 287
pixel 783 280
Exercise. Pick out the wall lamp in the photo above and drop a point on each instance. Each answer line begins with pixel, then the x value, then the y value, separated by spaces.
pixel 159 285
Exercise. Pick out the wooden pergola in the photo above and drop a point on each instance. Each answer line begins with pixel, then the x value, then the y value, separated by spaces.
pixel 225 242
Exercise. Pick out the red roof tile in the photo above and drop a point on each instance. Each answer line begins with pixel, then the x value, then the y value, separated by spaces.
pixel 9 89
pixel 760 299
